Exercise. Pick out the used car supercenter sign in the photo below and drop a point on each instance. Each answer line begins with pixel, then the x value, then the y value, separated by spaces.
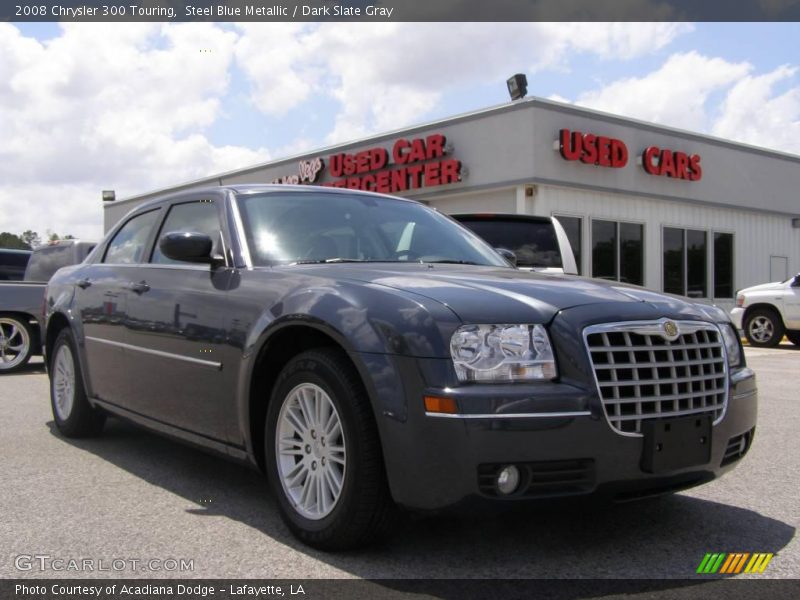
pixel 610 152
pixel 412 164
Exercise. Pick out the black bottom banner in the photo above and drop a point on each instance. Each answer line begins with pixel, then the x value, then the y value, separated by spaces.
pixel 396 589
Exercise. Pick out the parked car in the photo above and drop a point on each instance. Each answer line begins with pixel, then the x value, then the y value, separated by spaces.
pixel 538 243
pixel 13 263
pixel 21 301
pixel 367 352
pixel 766 312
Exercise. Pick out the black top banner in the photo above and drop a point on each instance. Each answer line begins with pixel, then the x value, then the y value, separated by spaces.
pixel 400 10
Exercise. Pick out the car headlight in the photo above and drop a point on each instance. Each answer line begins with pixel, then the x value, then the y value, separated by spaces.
pixel 732 343
pixel 502 353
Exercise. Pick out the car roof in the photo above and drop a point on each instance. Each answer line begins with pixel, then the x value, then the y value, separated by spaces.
pixel 260 188
pixel 500 217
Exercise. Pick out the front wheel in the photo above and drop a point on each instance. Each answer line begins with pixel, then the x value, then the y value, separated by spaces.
pixel 794 337
pixel 323 454
pixel 16 344
pixel 763 328
pixel 73 414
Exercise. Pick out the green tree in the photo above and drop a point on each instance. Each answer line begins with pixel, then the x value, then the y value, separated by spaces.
pixel 31 238
pixel 10 240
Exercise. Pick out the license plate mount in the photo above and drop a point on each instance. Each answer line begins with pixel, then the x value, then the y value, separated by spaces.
pixel 673 444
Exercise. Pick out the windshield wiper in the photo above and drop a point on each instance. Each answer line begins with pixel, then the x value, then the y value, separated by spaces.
pixel 338 259
pixel 449 261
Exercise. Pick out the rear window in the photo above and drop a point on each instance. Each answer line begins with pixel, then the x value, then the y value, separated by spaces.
pixel 534 243
pixel 47 260
pixel 12 264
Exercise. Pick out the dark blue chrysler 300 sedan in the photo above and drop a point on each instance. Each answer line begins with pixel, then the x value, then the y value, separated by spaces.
pixel 367 352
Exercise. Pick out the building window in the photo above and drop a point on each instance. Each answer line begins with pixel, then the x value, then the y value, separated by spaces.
pixel 696 264
pixel 685 262
pixel 573 226
pixel 618 251
pixel 604 249
pixel 723 265
pixel 631 253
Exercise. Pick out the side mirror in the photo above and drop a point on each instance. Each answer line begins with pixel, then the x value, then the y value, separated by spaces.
pixel 186 246
pixel 508 255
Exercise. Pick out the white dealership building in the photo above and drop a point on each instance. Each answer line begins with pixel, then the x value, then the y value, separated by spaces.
pixel 672 210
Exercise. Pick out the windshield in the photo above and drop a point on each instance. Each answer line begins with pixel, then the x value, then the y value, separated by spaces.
pixel 533 242
pixel 323 227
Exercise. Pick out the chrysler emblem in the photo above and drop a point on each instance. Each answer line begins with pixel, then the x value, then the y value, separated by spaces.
pixel 671 330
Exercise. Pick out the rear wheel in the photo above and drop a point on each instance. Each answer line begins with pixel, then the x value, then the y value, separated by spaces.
pixel 324 459
pixel 16 343
pixel 794 337
pixel 73 414
pixel 763 328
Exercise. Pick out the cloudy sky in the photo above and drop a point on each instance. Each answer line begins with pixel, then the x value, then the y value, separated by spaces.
pixel 135 107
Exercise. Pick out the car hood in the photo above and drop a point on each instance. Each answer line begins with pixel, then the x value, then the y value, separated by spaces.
pixel 490 295
pixel 764 287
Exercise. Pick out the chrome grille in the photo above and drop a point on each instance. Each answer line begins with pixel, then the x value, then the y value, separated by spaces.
pixel 641 375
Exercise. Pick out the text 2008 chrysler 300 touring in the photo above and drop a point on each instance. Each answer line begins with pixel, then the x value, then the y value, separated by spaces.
pixel 367 352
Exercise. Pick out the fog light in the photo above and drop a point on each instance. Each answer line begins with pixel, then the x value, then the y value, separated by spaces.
pixel 508 480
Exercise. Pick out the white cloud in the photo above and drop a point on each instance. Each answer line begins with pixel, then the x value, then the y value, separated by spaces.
pixel 675 94
pixel 128 106
pixel 752 113
pixel 760 109
pixel 388 75
pixel 122 106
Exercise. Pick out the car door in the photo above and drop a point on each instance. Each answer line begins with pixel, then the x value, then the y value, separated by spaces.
pixel 175 329
pixel 101 298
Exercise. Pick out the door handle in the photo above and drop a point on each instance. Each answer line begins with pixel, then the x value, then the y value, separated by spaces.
pixel 84 283
pixel 139 288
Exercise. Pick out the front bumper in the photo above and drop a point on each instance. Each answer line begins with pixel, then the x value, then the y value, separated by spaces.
pixel 566 449
pixel 737 317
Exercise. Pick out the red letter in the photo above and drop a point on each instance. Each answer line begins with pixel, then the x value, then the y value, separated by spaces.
pixel 619 154
pixel 431 176
pixel 417 151
pixel 435 145
pixel 570 151
pixel 681 162
pixel 647 160
pixel 383 182
pixel 398 153
pixel 604 151
pixel 379 158
pixel 694 165
pixel 589 149
pixel 450 170
pixel 667 163
pixel 335 161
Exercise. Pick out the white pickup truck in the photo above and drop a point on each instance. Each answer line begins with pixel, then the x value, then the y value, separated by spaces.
pixel 766 312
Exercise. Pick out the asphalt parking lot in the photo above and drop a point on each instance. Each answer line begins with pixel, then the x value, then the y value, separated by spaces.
pixel 133 495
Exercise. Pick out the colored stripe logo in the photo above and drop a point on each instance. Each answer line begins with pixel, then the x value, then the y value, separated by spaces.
pixel 734 563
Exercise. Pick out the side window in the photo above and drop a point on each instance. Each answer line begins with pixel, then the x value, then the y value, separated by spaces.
pixel 198 217
pixel 128 245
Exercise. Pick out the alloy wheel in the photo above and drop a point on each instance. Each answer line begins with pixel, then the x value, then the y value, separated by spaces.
pixel 64 382
pixel 14 343
pixel 310 451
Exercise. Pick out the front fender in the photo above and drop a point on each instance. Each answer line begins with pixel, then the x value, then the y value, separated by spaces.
pixel 381 329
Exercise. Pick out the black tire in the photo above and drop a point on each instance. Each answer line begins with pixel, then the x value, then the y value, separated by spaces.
pixel 364 509
pixel 76 419
pixel 763 328
pixel 17 341
pixel 794 337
